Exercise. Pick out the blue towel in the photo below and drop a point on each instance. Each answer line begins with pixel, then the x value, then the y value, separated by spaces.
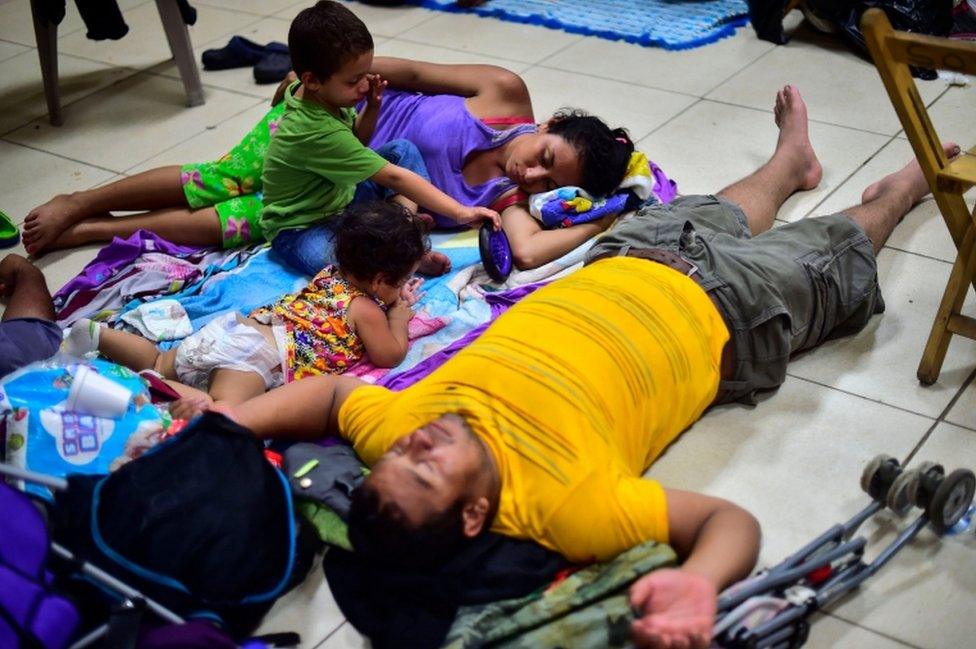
pixel 671 24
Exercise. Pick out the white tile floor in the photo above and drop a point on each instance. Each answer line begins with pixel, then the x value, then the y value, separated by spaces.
pixel 705 115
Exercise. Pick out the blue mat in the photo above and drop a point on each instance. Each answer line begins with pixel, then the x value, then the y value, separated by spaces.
pixel 671 24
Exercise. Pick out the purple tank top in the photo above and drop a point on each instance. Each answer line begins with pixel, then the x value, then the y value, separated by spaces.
pixel 445 133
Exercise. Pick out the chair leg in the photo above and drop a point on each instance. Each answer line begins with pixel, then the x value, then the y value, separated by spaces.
pixel 179 44
pixel 952 300
pixel 46 35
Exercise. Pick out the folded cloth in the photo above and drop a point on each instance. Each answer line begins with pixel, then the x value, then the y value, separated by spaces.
pixel 238 53
pixel 160 320
pixel 274 65
pixel 568 206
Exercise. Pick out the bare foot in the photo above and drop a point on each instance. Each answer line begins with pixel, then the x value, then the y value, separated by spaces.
pixel 794 140
pixel 909 179
pixel 45 222
pixel 434 264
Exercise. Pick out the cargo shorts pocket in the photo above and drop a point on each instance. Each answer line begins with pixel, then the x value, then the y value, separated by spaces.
pixel 845 292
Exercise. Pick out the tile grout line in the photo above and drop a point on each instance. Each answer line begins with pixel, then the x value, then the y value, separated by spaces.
pixel 859 396
pixel 331 633
pixel 633 83
pixel 740 70
pixel 942 416
pixel 132 72
pixel 882 634
pixel 58 155
pixel 128 170
pixel 849 176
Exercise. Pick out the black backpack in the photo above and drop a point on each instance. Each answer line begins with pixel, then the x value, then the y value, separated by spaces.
pixel 203 524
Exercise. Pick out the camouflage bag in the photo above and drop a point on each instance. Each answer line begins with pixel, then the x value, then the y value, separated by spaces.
pixel 590 608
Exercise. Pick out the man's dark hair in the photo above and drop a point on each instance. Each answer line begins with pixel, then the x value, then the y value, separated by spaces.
pixel 604 152
pixel 381 533
pixel 325 37
pixel 379 238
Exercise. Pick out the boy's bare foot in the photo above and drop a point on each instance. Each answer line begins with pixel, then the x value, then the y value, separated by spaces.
pixel 434 264
pixel 46 222
pixel 794 139
pixel 909 179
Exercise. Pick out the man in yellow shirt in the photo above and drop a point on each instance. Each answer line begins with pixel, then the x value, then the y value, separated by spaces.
pixel 542 427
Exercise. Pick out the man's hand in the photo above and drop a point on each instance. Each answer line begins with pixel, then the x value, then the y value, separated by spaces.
pixel 377 84
pixel 677 610
pixel 188 407
pixel 468 215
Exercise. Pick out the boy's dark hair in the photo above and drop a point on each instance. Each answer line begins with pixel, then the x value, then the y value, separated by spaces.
pixel 379 238
pixel 604 152
pixel 381 534
pixel 325 37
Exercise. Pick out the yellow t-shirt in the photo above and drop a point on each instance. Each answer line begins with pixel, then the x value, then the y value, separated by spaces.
pixel 575 390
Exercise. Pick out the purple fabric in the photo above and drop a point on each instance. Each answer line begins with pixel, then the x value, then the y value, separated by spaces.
pixel 25 340
pixel 499 302
pixel 664 188
pixel 116 255
pixel 193 634
pixel 24 594
pixel 446 134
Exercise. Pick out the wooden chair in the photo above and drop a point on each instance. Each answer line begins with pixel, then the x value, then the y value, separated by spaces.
pixel 177 35
pixel 893 52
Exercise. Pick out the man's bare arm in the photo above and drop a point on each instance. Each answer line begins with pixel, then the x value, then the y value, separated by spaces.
pixel 305 409
pixel 718 543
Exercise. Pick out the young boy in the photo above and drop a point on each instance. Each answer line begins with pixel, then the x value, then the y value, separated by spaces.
pixel 317 161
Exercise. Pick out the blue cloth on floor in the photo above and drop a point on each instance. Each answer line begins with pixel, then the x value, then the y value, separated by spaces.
pixel 671 24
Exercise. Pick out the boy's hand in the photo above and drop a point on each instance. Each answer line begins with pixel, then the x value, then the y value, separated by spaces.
pixel 676 608
pixel 410 292
pixel 468 215
pixel 377 85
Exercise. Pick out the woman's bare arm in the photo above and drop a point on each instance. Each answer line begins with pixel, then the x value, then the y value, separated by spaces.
pixel 492 91
pixel 533 246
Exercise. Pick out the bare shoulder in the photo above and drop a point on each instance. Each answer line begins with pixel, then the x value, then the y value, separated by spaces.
pixel 364 312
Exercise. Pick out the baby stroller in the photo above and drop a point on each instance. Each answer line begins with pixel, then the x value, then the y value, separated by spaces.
pixel 199 528
pixel 770 610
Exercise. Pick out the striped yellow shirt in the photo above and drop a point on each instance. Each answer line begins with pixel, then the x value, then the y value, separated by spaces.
pixel 575 390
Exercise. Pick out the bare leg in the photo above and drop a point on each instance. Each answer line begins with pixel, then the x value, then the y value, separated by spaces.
pixel 24 289
pixel 887 201
pixel 150 190
pixel 135 352
pixel 793 166
pixel 235 386
pixel 182 225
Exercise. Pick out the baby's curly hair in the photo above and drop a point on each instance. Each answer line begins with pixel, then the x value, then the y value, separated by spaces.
pixel 379 239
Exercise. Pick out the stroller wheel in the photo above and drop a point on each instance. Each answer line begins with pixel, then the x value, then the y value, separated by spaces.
pixel 878 475
pixel 931 476
pixel 952 499
pixel 902 494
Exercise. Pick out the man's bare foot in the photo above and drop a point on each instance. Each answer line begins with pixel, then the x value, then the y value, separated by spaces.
pixel 909 179
pixel 45 222
pixel 434 264
pixel 794 140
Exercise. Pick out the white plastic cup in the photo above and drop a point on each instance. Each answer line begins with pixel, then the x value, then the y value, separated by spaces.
pixel 93 394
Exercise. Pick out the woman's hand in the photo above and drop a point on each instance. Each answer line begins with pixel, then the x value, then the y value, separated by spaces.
pixel 676 608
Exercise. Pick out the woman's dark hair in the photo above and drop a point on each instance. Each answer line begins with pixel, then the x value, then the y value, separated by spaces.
pixel 325 37
pixel 379 238
pixel 381 533
pixel 604 152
